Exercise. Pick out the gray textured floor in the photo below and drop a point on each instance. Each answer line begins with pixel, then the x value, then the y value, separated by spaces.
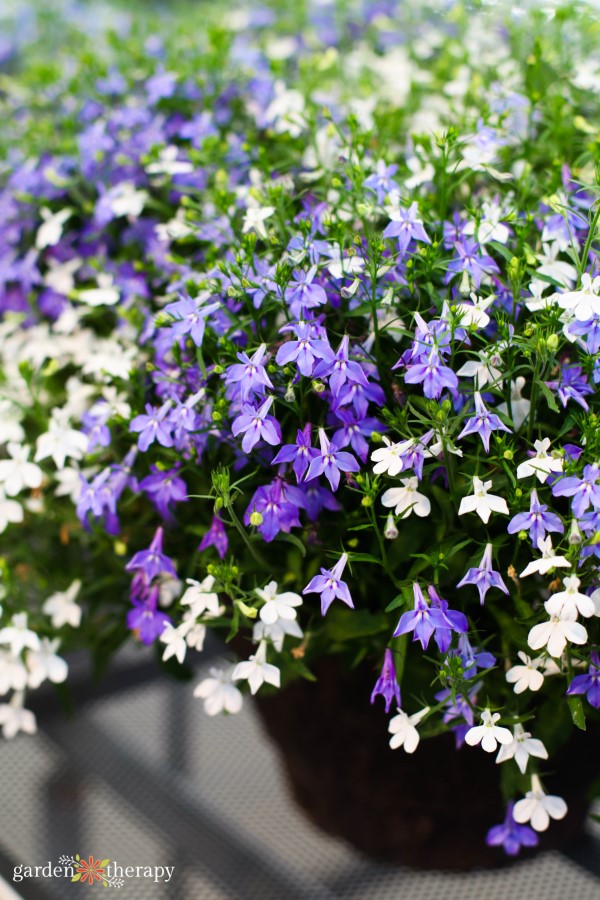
pixel 149 780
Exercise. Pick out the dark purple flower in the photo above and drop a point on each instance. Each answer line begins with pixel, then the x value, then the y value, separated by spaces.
pixel 510 835
pixel 571 386
pixel 314 498
pixel 249 376
pixel 433 375
pixel 473 658
pixel 277 511
pixel 406 226
pixel 588 684
pixel 145 618
pixel 387 684
pixel 538 520
pixel 454 621
pixel 301 452
pixel 330 462
pixel 471 261
pixel 255 424
pixel 329 585
pixel 306 350
pixel 164 488
pixel 216 537
pixel 354 432
pixel 483 423
pixel 154 426
pixel 152 561
pixel 340 369
pixel 584 491
pixel 484 577
pixel 423 620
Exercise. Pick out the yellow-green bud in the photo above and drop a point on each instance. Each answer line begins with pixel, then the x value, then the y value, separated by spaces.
pixel 248 611
pixel 120 548
pixel 216 416
pixel 318 387
pixel 523 535
pixel 552 342
pixel 366 501
pixel 508 454
pixel 218 370
pixel 256 518
pixel 218 503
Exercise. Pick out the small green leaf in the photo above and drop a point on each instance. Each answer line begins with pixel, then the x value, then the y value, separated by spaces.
pixel 577 712
pixel 549 396
pixel 104 863
pixel 76 877
pixel 291 539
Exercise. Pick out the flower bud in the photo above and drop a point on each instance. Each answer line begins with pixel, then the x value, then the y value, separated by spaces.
pixel 256 518
pixel 318 387
pixel 522 535
pixel 390 531
pixel 248 611
pixel 366 501
pixel 575 533
pixel 218 370
pixel 552 343
pixel 216 416
pixel 218 503
pixel 508 454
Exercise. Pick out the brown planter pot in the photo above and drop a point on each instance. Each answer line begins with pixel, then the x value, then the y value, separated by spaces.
pixel 431 809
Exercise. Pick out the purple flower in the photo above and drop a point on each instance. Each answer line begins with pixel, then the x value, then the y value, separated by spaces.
pixel 305 351
pixel 164 488
pixel 216 537
pixel 470 260
pixel 406 226
pixel 510 835
pixel 538 520
pixel 584 491
pixel 255 424
pixel 588 684
pixel 454 621
pixel 354 432
pixel 571 386
pixel 302 294
pixel 249 375
pixel 473 658
pixel 484 577
pixel 329 585
pixel 483 423
pixel 433 375
pixel 154 426
pixel 314 498
pixel 381 180
pixel 340 369
pixel 152 561
pixel 301 452
pixel 423 620
pixel 277 511
pixel 145 618
pixel 264 282
pixel 190 315
pixel 330 462
pixel 386 684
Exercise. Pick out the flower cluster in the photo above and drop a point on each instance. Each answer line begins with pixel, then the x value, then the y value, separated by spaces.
pixel 303 345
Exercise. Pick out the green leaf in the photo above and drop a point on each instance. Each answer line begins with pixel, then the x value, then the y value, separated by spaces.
pixel 291 539
pixel 577 712
pixel 549 396
pixel 342 625
pixel 104 863
pixel 76 877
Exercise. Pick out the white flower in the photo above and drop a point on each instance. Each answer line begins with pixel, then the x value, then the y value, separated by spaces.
pixel 481 502
pixel 10 423
pixel 13 674
pixel 254 219
pixel 62 609
pixel 11 512
pixel 404 731
pixel 490 227
pixel 14 718
pixel 277 606
pixel 520 406
pixel 105 294
pixel 583 303
pixel 555 633
pixel 60 442
pixel 387 459
pixel 526 677
pixel 256 670
pixel 200 596
pixel 541 464
pixel 18 635
pixel 195 632
pixel 538 808
pixel 343 265
pixel 45 664
pixel 175 640
pixel 68 483
pixel 407 499
pixel 60 276
pixel 473 315
pixel 489 735
pixel 168 164
pixel 17 473
pixel 285 111
pixel 218 693
pixel 547 562
pixel 538 301
pixel 484 369
pixel 276 633
pixel 50 232
pixel 390 531
pixel 562 272
pixel 126 200
pixel 570 601
pixel 521 748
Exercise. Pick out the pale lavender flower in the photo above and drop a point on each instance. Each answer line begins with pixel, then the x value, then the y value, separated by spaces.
pixel 329 585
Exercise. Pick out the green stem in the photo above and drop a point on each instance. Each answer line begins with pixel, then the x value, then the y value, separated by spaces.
pixel 588 244
pixel 257 556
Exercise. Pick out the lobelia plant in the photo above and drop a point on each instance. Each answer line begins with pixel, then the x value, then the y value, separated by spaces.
pixel 300 342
